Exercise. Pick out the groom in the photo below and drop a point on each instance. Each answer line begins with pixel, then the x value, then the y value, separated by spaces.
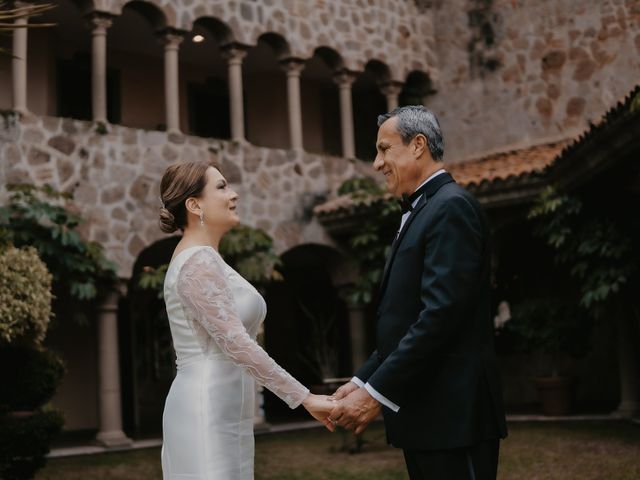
pixel 434 373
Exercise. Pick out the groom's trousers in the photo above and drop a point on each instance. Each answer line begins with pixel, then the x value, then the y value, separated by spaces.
pixel 478 462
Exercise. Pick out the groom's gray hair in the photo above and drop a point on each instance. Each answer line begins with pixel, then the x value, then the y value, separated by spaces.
pixel 414 120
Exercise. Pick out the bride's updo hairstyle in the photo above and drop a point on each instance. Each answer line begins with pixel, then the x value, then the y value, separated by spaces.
pixel 179 182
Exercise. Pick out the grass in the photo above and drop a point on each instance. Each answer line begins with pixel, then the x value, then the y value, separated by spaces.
pixel 567 451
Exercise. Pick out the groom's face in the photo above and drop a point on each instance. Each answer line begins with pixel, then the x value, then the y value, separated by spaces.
pixel 395 160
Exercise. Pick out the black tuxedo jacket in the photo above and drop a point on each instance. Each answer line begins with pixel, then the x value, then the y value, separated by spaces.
pixel 435 357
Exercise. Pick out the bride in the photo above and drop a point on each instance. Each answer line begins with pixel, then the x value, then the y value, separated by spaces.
pixel 214 315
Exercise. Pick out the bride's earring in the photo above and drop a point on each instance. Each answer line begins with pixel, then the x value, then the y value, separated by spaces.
pixel 201 218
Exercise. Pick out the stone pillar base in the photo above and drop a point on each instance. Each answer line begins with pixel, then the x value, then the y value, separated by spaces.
pixel 627 410
pixel 259 426
pixel 114 439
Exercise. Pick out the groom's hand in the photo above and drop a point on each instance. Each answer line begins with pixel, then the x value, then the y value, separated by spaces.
pixel 356 411
pixel 344 390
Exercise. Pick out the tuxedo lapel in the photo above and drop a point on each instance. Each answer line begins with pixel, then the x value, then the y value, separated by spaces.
pixel 431 188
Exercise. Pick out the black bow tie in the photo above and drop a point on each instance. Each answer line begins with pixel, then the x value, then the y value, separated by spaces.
pixel 406 202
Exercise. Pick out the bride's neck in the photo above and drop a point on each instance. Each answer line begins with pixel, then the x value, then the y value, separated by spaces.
pixel 201 236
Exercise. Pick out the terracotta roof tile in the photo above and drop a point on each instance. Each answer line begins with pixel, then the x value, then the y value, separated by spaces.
pixel 505 165
pixel 499 166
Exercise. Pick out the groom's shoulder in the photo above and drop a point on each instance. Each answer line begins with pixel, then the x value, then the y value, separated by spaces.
pixel 452 191
pixel 454 197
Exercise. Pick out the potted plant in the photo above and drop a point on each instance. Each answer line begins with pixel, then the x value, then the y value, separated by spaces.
pixel 556 327
pixel 30 374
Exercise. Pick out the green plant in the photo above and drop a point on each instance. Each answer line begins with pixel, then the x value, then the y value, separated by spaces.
pixel 30 376
pixel 153 279
pixel 369 244
pixel 24 443
pixel 47 220
pixel 593 246
pixel 248 250
pixel 550 325
pixel 321 354
pixel 101 128
pixel 25 295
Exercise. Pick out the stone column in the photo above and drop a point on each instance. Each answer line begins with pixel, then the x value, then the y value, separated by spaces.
pixel 19 64
pixel 99 23
pixel 358 338
pixel 234 54
pixel 110 434
pixel 628 367
pixel 391 90
pixel 345 79
pixel 293 68
pixel 171 39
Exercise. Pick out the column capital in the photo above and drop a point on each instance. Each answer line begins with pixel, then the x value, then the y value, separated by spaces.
pixel 171 37
pixel 99 22
pixel 234 53
pixel 109 298
pixel 292 66
pixel 344 78
pixel 391 88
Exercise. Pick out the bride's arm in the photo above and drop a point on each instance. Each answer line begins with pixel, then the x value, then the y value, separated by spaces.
pixel 207 299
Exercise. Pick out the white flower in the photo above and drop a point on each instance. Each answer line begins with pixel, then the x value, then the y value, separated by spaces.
pixel 503 315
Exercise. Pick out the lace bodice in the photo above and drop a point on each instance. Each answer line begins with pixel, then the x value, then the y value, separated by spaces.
pixel 217 304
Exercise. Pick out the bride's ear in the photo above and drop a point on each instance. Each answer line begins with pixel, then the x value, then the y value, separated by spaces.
pixel 191 204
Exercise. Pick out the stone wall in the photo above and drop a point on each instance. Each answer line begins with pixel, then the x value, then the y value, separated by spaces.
pixel 115 178
pixel 521 72
pixel 395 32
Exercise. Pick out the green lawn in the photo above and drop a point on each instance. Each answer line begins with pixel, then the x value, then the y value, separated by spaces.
pixel 533 451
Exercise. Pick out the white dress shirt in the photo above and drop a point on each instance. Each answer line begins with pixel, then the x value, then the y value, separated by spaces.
pixel 372 391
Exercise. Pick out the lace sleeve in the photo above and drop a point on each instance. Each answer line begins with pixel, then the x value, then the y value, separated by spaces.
pixel 206 297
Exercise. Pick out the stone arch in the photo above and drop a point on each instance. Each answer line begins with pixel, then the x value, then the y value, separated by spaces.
pixel 159 16
pixel 320 102
pixel 298 308
pixel 220 31
pixel 86 6
pixel 379 70
pixel 205 79
pixel 368 103
pixel 135 51
pixel 416 87
pixel 330 57
pixel 145 339
pixel 65 48
pixel 262 72
pixel 277 42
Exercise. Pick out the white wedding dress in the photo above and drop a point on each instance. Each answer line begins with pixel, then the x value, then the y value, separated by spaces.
pixel 214 316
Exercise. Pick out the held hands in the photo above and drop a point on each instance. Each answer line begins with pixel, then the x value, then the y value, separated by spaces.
pixel 355 408
pixel 350 407
pixel 344 390
pixel 320 407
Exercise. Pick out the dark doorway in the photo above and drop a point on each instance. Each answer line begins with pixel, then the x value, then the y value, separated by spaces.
pixel 208 109
pixel 306 330
pixel 148 358
pixel 74 89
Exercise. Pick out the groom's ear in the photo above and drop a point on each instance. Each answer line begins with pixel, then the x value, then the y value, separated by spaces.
pixel 418 145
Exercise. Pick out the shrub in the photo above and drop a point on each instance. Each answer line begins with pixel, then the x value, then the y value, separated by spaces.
pixel 25 295
pixel 30 376
pixel 24 443
pixel 47 220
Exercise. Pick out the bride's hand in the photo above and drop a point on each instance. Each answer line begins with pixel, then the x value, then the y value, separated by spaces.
pixel 320 407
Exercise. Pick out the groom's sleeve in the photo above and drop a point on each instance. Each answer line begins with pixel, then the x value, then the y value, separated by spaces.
pixel 452 264
pixel 368 367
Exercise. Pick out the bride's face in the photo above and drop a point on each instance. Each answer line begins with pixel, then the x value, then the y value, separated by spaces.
pixel 219 202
